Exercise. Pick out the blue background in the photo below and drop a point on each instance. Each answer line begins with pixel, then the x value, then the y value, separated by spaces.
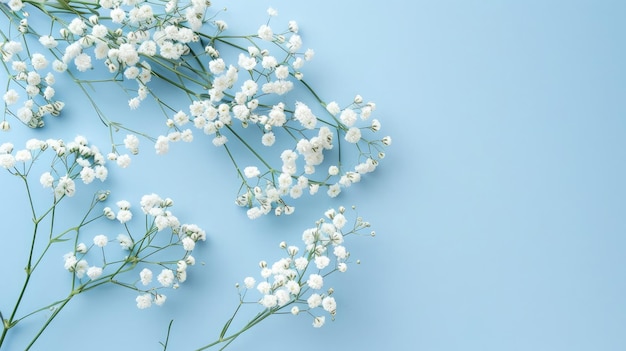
pixel 499 208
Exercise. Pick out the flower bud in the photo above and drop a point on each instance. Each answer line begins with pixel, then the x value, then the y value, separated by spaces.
pixel 5 126
pixel 387 140
pixel 103 195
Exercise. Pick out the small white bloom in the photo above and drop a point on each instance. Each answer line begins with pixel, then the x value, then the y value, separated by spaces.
pixel 353 135
pixel 315 281
pixel 125 241
pixel 188 244
pixel 166 277
pixel 11 97
pixel 265 32
pixel 249 282
pixel 251 172
pixel 100 240
pixel 318 322
pixel 264 287
pixel 123 161
pixel 146 276
pixel 322 262
pixel 124 216
pixel 83 62
pixel 159 299
pixel 94 272
pixel 144 301
pixel 268 301
pixel 314 300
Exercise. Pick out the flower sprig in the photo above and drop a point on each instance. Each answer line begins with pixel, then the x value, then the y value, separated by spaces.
pixel 243 89
pixel 163 243
pixel 296 283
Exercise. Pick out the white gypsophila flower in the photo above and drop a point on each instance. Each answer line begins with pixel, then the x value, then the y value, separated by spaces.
pixel 348 117
pixel 82 62
pixel 38 61
pixel 81 268
pixel 81 248
pixel 353 135
pixel 314 300
pixel 283 297
pixel 101 172
pixel 94 272
pixel 305 116
pixel 265 33
pixel 329 304
pixel 159 299
pixel 322 262
pixel 131 142
pixel 145 276
pixel 251 172
pixel 188 244
pixel 123 161
pixel 268 139
pixel 315 281
pixel 295 43
pixel 264 287
pixel 144 301
pixel 65 186
pixel 246 62
pixel 87 175
pixel 318 322
pixel 342 267
pixel 334 190
pixel 124 216
pixel 333 108
pixel 23 156
pixel 100 240
pixel 166 277
pixel 125 241
pixel 11 97
pixel 249 282
pixel 162 145
pixel 340 252
pixel 282 72
pixel 15 5
pixel 220 140
pixel 48 41
pixel 59 66
pixel 339 220
pixel 269 301
pixel 48 93
pixel 77 26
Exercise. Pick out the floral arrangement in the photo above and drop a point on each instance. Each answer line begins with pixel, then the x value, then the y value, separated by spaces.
pixel 247 93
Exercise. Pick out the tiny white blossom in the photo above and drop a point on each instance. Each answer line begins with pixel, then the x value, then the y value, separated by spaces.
pixel 315 281
pixel 125 241
pixel 94 272
pixel 166 277
pixel 144 301
pixel 100 240
pixel 146 276
pixel 318 322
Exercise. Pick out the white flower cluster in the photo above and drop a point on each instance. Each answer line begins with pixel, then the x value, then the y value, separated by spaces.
pixel 79 160
pixel 298 279
pixel 242 84
pixel 138 248
pixel 33 76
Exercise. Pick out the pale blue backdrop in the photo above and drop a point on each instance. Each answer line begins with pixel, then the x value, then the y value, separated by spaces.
pixel 500 208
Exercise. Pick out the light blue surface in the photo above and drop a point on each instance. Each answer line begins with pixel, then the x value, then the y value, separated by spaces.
pixel 499 207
